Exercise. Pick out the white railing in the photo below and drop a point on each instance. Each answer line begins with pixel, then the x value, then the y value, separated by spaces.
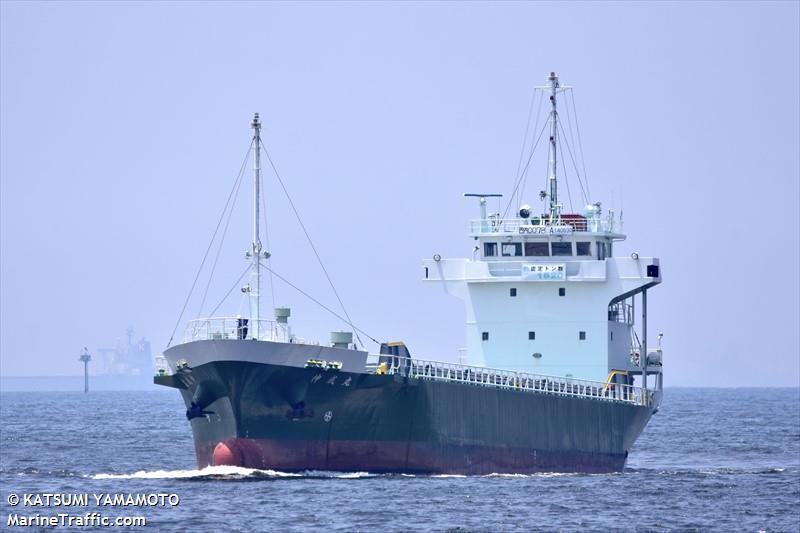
pixel 228 328
pixel 536 226
pixel 161 365
pixel 621 312
pixel 507 379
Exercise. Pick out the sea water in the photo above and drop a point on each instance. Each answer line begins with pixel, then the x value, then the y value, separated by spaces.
pixel 710 460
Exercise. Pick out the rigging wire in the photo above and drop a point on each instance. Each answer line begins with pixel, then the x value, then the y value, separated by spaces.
pixel 311 243
pixel 569 125
pixel 230 291
pixel 266 235
pixel 566 180
pixel 205 256
pixel 569 150
pixel 580 143
pixel 538 114
pixel 525 170
pixel 571 142
pixel 328 309
pixel 525 137
pixel 224 232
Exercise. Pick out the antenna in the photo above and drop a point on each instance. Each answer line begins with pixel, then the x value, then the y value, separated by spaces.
pixel 483 198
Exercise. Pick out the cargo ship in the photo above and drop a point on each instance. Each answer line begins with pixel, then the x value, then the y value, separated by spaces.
pixel 557 376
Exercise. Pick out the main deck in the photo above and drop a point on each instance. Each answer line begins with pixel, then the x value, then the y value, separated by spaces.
pixel 519 381
pixel 230 331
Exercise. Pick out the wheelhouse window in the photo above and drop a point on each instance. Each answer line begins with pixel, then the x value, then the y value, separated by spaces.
pixel 485 335
pixel 489 249
pixel 511 249
pixel 582 335
pixel 604 250
pixel 512 292
pixel 583 248
pixel 562 248
pixel 537 249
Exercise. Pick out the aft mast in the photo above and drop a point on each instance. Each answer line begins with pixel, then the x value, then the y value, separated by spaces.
pixel 255 250
pixel 555 209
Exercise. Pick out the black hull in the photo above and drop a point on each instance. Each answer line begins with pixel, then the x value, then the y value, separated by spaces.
pixel 293 419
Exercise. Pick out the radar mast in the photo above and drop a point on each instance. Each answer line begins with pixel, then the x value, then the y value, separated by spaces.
pixel 555 208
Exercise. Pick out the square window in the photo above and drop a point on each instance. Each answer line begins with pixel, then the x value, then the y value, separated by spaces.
pixel 561 248
pixel 512 292
pixel 583 248
pixel 489 249
pixel 582 335
pixel 537 249
pixel 562 291
pixel 511 249
pixel 485 335
pixel 531 335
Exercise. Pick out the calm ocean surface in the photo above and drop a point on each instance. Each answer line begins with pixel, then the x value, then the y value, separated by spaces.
pixel 710 460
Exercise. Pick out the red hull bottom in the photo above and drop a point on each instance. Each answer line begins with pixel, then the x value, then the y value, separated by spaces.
pixel 399 457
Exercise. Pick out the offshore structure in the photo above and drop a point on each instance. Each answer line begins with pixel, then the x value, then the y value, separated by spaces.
pixel 559 380
pixel 131 359
pixel 85 358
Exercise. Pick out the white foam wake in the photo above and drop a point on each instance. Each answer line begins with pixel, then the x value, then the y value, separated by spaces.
pixel 537 474
pixel 231 472
pixel 210 471
pixel 238 472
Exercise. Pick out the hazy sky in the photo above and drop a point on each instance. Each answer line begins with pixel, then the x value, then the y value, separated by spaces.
pixel 123 126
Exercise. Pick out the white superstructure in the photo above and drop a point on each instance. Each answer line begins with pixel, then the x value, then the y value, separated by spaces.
pixel 545 294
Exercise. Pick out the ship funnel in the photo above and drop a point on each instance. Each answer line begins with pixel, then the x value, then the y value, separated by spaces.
pixel 282 315
pixel 341 339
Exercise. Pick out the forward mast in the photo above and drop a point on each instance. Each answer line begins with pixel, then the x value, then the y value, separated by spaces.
pixel 256 251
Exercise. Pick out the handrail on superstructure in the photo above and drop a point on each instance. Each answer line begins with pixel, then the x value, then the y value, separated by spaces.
pixel 532 226
pixel 512 380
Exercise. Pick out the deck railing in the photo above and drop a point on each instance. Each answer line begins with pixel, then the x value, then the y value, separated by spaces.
pixel 521 381
pixel 529 226
pixel 227 328
pixel 621 312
